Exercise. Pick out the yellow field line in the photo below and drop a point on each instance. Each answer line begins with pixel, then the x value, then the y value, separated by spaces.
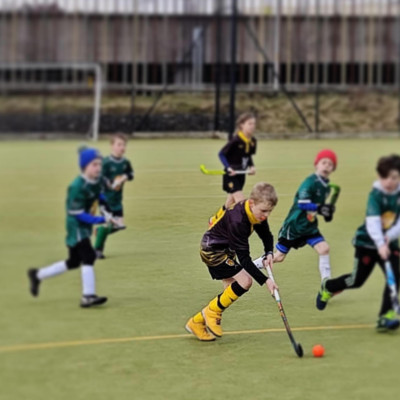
pixel 55 345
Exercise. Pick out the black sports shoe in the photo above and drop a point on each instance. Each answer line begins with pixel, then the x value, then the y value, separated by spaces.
pixel 90 301
pixel 34 282
pixel 100 255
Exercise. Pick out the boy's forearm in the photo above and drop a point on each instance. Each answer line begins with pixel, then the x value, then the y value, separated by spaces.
pixel 247 263
pixel 307 205
pixel 89 219
pixel 394 232
pixel 374 229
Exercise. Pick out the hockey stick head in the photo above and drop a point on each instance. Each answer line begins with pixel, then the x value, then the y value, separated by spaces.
pixel 298 349
pixel 205 171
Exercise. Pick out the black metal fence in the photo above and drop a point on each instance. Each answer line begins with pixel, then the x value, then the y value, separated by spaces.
pixel 146 48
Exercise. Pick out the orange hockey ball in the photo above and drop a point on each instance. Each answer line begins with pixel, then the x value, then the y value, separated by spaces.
pixel 318 350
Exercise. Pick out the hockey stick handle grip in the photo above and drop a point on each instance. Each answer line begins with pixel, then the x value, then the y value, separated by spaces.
pixel 271 276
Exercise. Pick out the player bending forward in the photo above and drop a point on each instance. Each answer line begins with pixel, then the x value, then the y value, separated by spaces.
pixel 227 240
pixel 82 197
pixel 301 225
pixel 375 242
pixel 116 171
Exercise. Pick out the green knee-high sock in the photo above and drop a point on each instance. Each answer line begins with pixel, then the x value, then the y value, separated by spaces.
pixel 101 236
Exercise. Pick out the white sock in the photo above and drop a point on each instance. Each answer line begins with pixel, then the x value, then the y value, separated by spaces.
pixel 52 270
pixel 324 267
pixel 88 280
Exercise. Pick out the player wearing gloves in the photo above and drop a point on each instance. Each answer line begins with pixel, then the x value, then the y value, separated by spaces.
pixel 116 171
pixel 225 250
pixel 301 225
pixel 82 197
pixel 375 241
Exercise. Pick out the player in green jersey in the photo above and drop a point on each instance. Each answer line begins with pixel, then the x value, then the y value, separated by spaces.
pixel 301 224
pixel 375 241
pixel 116 171
pixel 82 197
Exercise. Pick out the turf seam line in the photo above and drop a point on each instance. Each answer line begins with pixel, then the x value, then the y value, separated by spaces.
pixel 75 343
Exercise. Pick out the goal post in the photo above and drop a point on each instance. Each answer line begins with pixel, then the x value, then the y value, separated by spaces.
pixel 42 79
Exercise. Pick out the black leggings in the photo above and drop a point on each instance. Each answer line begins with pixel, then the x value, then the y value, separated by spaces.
pixel 365 260
pixel 81 253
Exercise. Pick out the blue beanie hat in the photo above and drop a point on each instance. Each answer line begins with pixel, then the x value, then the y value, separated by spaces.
pixel 87 155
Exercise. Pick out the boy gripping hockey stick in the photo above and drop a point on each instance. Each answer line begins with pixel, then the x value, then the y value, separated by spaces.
pixel 82 197
pixel 227 240
pixel 300 227
pixel 376 242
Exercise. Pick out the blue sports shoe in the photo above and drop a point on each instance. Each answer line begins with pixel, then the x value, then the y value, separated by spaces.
pixel 323 297
pixel 387 322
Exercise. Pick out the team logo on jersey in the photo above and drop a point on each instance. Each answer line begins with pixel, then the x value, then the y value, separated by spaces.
pixel 230 262
pixel 388 218
pixel 311 216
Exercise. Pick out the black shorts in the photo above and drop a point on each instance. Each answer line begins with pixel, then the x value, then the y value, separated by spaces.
pixel 118 213
pixel 232 184
pixel 81 253
pixel 222 264
pixel 284 245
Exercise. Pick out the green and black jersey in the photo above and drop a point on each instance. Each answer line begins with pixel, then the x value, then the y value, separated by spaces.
pixel 114 168
pixel 82 197
pixel 300 222
pixel 383 210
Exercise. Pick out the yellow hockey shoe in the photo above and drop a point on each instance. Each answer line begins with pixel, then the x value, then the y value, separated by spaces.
pixel 199 330
pixel 213 321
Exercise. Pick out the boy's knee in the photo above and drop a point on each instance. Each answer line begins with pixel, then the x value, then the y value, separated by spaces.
pixel 246 282
pixel 322 248
pixel 279 257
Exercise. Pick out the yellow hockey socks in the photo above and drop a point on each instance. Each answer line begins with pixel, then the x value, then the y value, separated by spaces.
pixel 227 297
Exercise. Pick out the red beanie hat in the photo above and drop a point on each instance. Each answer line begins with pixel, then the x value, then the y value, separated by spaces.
pixel 326 154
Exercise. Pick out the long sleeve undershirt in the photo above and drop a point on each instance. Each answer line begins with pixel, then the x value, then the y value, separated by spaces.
pixel 223 159
pixel 374 229
pixel 89 218
pixel 394 232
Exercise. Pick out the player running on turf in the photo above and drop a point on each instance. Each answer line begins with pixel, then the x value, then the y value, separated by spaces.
pixel 82 198
pixel 226 239
pixel 375 241
pixel 301 225
pixel 116 171
pixel 237 155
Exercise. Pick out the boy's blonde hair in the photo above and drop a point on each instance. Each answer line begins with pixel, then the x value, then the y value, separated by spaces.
pixel 119 135
pixel 264 192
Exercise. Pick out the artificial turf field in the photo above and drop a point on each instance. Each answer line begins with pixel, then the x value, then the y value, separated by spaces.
pixel 136 346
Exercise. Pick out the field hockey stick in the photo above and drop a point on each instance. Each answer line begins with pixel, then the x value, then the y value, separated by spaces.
pixel 297 346
pixel 206 171
pixel 335 193
pixel 391 282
